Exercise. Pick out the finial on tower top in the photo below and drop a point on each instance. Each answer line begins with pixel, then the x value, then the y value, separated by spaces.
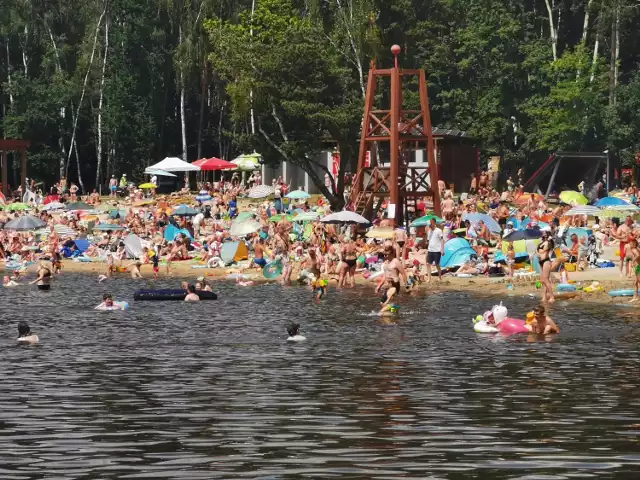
pixel 395 49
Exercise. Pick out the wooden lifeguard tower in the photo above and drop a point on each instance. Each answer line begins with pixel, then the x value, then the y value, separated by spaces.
pixel 16 146
pixel 405 137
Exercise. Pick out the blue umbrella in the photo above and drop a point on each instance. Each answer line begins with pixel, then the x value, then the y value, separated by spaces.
pixel 526 234
pixel 203 197
pixel 491 224
pixel 298 195
pixel 185 211
pixel 108 226
pixel 611 202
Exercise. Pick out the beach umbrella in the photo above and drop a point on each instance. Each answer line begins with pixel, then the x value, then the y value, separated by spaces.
pixel 203 196
pixel 54 206
pixel 174 164
pixel 184 211
pixel 108 227
pixel 345 216
pixel 147 185
pixel 78 206
pixel 272 269
pixel 572 197
pixel 612 213
pixel 277 218
pixel 16 207
pixel 27 222
pixel 524 198
pixel 607 202
pixel 526 234
pixel 242 229
pixel 242 216
pixel 306 217
pixel 297 195
pixel 158 172
pixel 213 163
pixel 380 233
pixel 64 230
pixel 589 210
pixel 247 162
pixel 490 222
pixel 630 208
pixel 260 191
pixel 425 221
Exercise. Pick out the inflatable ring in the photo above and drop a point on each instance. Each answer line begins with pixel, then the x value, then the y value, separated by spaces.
pixel 622 293
pixel 483 327
pixel 168 294
pixel 566 287
pixel 394 308
pixel 115 306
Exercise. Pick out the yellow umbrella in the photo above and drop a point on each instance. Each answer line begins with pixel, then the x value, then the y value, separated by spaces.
pixel 380 232
pixel 573 198
pixel 148 185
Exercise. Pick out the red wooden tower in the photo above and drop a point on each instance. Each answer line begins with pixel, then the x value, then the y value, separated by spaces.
pixel 399 143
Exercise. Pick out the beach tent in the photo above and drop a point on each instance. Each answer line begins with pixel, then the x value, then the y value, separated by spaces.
pixel 133 246
pixel 457 251
pixel 234 252
pixel 171 232
pixel 174 164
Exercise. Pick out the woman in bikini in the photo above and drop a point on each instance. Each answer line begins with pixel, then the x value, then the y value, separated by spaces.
pixel 349 259
pixel 44 272
pixel 544 255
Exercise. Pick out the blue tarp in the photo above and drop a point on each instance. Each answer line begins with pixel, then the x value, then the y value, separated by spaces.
pixel 457 251
pixel 82 244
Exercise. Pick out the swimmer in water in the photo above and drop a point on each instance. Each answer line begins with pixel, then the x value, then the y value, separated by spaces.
pixel 44 272
pixel 107 301
pixel 294 333
pixel 319 287
pixel 9 282
pixel 192 296
pixel 542 323
pixel 25 335
pixel 387 300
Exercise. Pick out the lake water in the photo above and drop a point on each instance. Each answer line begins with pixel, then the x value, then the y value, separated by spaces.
pixel 213 390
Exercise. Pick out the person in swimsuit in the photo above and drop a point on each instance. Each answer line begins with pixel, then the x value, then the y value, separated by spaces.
pixel 350 259
pixel 542 324
pixel 388 299
pixel 191 296
pixel 544 255
pixel 44 273
pixel 393 270
pixel 634 251
pixel 25 335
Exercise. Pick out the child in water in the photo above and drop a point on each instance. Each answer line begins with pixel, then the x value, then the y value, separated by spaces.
pixel 319 287
pixel 25 335
pixel 294 333
pixel 9 282
pixel 541 323
pixel 135 270
pixel 388 307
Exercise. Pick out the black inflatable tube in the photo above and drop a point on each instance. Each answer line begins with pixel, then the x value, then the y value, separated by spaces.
pixel 164 295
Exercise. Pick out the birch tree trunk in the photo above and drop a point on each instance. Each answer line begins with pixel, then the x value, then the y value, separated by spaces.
pixel 615 54
pixel 84 89
pixel 63 109
pixel 183 122
pixel 203 94
pixel 553 32
pixel 100 103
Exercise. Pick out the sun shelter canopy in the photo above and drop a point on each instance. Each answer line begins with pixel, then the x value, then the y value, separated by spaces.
pixel 174 164
pixel 160 173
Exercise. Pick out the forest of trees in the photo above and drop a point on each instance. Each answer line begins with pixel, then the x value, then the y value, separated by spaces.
pixel 105 87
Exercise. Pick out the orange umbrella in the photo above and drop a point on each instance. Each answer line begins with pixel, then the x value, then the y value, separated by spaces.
pixel 524 198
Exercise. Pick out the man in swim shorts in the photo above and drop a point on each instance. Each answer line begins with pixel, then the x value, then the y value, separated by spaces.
pixel 435 248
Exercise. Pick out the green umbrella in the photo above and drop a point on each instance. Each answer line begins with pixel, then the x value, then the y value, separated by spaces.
pixel 306 217
pixel 14 207
pixel 277 218
pixel 425 221
pixel 573 198
pixel 79 206
pixel 242 216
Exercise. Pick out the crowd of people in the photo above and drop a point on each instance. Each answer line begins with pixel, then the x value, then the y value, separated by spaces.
pixel 321 255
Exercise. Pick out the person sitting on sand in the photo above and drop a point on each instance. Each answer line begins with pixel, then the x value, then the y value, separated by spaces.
pixel 192 296
pixel 542 324
pixel 294 333
pixel 25 335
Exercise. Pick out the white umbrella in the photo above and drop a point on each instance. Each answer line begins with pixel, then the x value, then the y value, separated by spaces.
pixel 260 191
pixel 174 164
pixel 157 171
pixel 54 206
pixel 583 210
pixel 242 229
pixel 64 230
pixel 345 216
pixel 624 208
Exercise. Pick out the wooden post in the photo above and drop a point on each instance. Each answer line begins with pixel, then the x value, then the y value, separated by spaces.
pixel 23 168
pixel 394 148
pixel 5 186
pixel 431 151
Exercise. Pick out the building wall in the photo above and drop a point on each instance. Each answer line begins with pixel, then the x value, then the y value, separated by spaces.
pixel 296 176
